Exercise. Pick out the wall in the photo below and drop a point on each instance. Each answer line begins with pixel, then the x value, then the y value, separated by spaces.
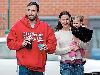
pixel 50 8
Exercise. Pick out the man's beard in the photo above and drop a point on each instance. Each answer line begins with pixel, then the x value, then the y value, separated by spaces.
pixel 31 17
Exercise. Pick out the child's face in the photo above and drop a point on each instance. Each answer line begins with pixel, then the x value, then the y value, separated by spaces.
pixel 76 23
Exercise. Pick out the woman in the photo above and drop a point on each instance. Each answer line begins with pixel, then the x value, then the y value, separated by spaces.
pixel 70 63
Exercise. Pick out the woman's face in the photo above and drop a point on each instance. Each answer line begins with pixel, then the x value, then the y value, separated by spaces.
pixel 65 21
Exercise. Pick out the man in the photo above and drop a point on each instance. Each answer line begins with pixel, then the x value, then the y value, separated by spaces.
pixel 32 40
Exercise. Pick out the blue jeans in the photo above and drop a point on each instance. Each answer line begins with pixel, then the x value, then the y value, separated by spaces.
pixel 24 71
pixel 71 69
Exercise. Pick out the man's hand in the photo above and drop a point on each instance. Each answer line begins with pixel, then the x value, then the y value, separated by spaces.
pixel 27 41
pixel 42 47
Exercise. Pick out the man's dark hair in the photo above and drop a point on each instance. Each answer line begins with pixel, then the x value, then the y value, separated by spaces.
pixel 33 3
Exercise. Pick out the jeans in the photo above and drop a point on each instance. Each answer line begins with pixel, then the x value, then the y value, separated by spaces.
pixel 24 71
pixel 71 69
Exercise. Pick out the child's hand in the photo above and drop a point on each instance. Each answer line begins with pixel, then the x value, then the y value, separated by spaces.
pixel 72 53
pixel 74 46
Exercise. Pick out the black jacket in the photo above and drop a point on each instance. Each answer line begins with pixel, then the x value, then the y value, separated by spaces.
pixel 83 33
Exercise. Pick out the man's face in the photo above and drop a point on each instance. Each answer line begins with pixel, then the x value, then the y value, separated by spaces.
pixel 32 12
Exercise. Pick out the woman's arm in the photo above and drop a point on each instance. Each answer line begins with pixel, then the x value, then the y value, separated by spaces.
pixel 60 51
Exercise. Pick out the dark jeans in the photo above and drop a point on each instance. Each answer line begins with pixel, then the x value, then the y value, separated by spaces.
pixel 71 69
pixel 24 71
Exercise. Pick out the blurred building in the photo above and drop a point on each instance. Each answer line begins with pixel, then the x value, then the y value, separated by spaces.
pixel 47 8
pixel 13 10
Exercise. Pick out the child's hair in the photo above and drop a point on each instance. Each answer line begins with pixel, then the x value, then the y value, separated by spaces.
pixel 80 18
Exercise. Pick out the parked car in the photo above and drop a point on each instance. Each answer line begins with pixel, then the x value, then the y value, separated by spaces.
pixel 8 62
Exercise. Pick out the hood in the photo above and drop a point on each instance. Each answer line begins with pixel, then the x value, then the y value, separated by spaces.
pixel 25 21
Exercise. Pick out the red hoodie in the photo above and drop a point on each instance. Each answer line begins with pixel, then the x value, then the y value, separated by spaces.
pixel 33 59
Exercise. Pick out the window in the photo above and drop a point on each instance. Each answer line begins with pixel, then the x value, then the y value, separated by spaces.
pixel 95 25
pixel 96 38
pixel 95 44
pixel 51 20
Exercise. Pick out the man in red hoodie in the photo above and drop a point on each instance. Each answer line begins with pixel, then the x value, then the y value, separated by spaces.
pixel 32 40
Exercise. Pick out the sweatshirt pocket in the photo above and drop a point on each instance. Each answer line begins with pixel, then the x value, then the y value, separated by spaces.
pixel 42 59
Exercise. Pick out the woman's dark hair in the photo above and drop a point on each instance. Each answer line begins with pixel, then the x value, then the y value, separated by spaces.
pixel 34 3
pixel 59 26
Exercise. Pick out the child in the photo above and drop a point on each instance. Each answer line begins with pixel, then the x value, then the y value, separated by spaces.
pixel 80 32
